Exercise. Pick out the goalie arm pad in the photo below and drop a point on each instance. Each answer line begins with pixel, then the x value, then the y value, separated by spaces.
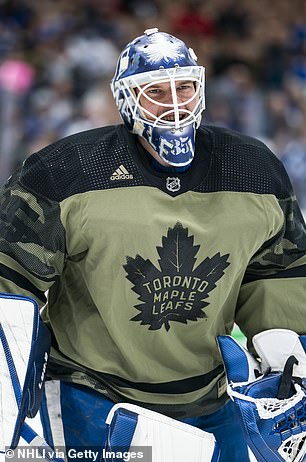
pixel 24 351
pixel 274 427
pixel 169 439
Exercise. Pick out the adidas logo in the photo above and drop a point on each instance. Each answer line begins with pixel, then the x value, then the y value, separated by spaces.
pixel 121 174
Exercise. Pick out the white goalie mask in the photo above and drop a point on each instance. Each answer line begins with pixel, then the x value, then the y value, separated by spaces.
pixel 159 90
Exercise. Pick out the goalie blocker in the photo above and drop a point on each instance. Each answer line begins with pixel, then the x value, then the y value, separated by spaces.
pixel 270 395
pixel 24 352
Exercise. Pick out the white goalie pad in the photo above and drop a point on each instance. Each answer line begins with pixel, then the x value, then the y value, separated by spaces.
pixel 170 440
pixel 24 350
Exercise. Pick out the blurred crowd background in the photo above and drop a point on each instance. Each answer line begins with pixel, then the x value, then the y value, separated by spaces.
pixel 57 58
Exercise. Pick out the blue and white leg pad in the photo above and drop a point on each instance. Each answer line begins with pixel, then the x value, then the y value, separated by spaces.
pixel 270 394
pixel 132 426
pixel 24 352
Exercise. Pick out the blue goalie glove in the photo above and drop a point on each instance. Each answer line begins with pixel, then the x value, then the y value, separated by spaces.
pixel 270 393
pixel 24 352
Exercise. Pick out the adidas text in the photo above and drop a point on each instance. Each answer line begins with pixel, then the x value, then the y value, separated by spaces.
pixel 121 177
pixel 121 174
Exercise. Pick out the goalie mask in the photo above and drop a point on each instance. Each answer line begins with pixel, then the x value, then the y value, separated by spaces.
pixel 159 90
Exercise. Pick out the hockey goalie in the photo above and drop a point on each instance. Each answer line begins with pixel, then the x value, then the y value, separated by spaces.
pixel 151 239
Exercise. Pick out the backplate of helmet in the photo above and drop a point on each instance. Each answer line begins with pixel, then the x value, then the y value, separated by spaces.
pixel 158 58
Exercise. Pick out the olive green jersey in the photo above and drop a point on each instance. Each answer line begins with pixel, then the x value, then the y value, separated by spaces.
pixel 145 268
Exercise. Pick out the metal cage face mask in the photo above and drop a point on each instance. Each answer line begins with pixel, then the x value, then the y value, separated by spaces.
pixel 168 122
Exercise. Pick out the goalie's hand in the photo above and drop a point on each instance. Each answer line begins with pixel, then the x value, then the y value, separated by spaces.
pixel 270 394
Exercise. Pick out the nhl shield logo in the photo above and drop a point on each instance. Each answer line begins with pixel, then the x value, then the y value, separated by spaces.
pixel 173 184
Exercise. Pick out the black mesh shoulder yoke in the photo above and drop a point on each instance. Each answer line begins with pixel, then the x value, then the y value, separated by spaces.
pixel 243 163
pixel 81 162
pixel 95 159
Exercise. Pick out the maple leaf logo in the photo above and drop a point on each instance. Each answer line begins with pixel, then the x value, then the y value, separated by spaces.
pixel 177 291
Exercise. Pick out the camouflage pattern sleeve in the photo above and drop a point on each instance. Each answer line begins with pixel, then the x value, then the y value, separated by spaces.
pixel 32 238
pixel 273 291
